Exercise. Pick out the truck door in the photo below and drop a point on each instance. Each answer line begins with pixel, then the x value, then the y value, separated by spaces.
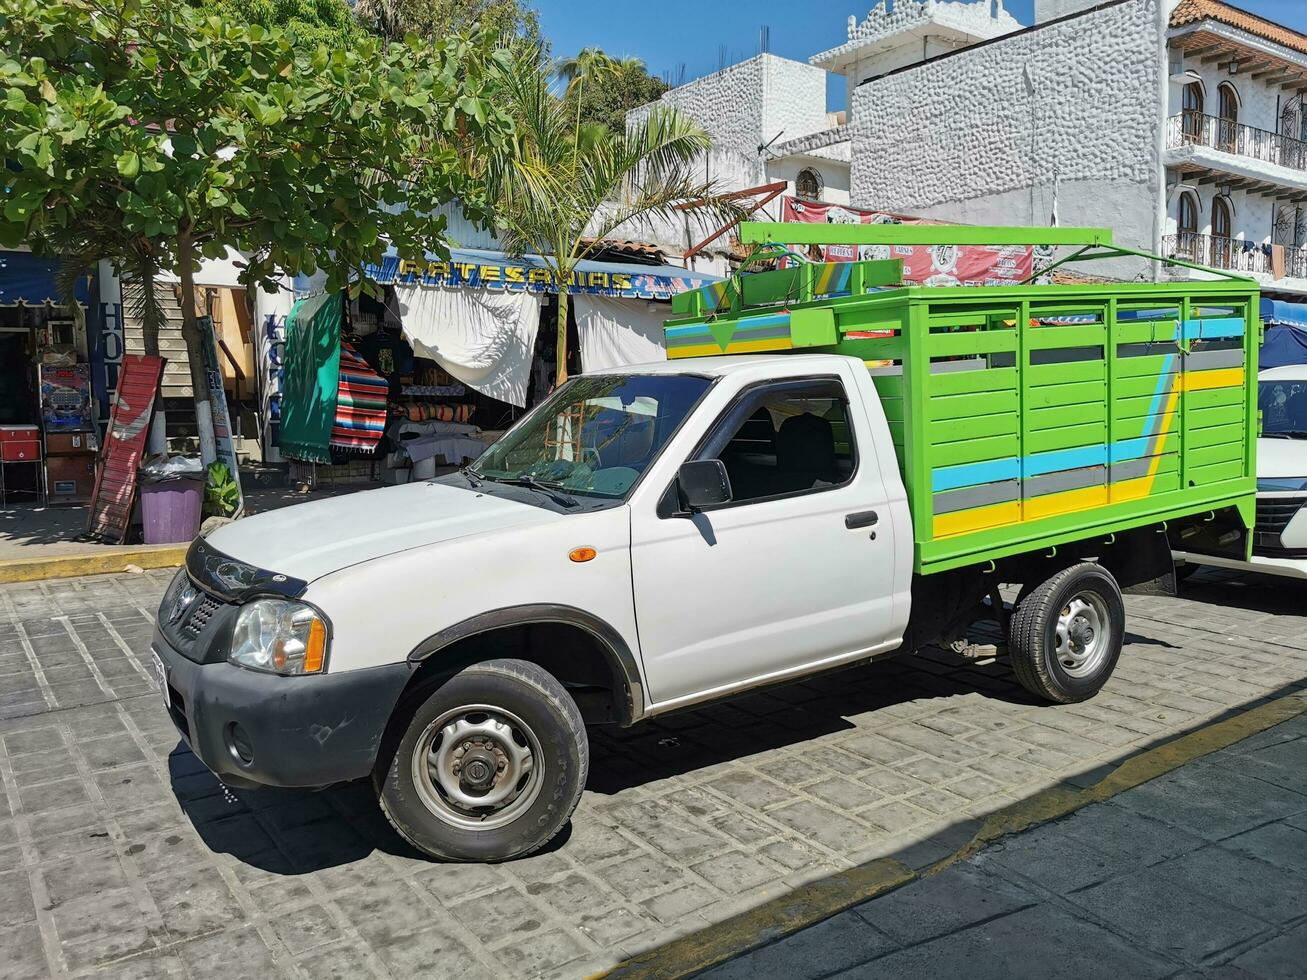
pixel 795 569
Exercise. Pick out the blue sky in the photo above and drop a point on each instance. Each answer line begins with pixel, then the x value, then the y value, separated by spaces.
pixel 693 33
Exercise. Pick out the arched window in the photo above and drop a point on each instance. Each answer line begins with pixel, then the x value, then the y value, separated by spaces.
pixel 1191 117
pixel 1222 246
pixel 808 185
pixel 1227 129
pixel 1188 216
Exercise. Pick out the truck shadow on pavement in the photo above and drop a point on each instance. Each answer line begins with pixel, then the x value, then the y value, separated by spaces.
pixel 293 832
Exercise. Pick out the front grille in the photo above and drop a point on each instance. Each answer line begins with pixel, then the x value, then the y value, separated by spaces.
pixel 205 607
pixel 1273 516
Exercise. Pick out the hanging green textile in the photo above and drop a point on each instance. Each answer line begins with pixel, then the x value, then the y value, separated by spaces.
pixel 312 378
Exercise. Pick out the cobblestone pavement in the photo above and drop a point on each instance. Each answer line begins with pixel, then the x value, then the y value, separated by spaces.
pixel 1199 873
pixel 120 855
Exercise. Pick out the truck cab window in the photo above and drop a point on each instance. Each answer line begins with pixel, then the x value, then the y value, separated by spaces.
pixel 785 439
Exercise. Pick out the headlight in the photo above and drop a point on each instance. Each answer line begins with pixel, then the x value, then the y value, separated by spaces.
pixel 279 636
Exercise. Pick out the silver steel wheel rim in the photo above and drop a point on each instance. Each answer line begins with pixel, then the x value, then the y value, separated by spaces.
pixel 478 767
pixel 1082 634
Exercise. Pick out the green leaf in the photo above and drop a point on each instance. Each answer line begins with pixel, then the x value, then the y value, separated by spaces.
pixel 129 164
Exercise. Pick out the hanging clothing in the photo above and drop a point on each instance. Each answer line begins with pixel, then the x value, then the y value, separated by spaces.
pixel 360 405
pixel 312 378
pixel 484 338
pixel 616 332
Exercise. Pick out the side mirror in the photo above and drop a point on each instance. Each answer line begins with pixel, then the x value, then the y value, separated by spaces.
pixel 702 483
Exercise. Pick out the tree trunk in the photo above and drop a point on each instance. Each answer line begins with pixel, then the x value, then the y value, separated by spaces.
pixel 151 319
pixel 560 374
pixel 195 350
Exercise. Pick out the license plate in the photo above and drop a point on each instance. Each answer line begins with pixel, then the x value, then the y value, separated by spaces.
pixel 161 676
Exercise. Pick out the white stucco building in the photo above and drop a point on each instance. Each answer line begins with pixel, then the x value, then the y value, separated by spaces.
pixel 1181 124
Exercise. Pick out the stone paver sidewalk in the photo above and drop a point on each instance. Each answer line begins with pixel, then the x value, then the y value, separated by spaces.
pixel 121 856
pixel 1202 872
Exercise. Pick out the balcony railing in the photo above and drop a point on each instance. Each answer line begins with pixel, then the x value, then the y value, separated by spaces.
pixel 1233 255
pixel 1191 128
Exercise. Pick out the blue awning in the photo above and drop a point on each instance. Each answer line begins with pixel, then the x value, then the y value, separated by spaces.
pixel 30 279
pixel 498 270
pixel 1279 312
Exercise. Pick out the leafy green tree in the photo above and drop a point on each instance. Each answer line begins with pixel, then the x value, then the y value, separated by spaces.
pixel 438 19
pixel 603 89
pixel 329 22
pixel 154 134
pixel 561 182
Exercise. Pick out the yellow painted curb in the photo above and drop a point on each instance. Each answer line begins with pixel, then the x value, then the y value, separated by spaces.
pixel 103 562
pixel 819 900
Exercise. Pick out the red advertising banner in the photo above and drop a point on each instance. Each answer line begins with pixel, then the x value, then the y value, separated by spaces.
pixel 926 265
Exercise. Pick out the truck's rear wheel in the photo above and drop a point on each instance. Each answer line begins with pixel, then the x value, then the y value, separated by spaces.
pixel 490 766
pixel 1066 634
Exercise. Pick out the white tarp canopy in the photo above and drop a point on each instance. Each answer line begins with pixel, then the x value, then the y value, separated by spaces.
pixel 484 338
pixel 616 332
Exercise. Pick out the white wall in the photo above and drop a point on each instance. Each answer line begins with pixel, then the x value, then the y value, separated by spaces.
pixel 1258 102
pixel 835 179
pixel 1046 10
pixel 978 136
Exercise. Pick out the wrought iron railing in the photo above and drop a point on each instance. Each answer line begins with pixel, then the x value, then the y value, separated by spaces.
pixel 1233 255
pixel 1191 128
pixel 1217 252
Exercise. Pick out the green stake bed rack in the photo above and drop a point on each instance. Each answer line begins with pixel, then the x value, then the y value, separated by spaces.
pixel 1023 416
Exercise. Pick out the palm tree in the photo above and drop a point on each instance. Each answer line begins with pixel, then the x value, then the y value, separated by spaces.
pixel 562 185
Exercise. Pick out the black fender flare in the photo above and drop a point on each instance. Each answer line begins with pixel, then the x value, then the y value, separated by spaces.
pixel 626 669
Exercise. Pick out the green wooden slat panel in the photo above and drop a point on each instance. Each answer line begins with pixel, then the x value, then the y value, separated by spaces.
pixel 968 382
pixel 896 431
pixel 893 408
pixel 974 450
pixel 1068 394
pixel 1146 331
pixel 875 348
pixel 1051 418
pixel 950 430
pixel 1067 437
pixel 1166 481
pixel 1123 388
pixel 1038 375
pixel 1224 453
pixel 866 317
pixel 1052 337
pixel 755 232
pixel 969 406
pixel 976 342
pixel 1132 408
pixel 1141 425
pixel 1216 472
pixel 1199 418
pixel 1147 366
pixel 1214 397
pixel 948 321
pixel 888 385
pixel 1215 435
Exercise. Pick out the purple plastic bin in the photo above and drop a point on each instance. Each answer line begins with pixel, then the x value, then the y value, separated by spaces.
pixel 170 510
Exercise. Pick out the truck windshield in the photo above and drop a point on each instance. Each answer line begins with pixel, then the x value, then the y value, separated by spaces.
pixel 1284 409
pixel 594 436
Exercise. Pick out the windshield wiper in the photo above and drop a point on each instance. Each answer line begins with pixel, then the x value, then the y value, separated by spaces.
pixel 550 490
pixel 473 477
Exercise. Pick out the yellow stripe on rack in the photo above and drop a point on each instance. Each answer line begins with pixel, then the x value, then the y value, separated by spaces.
pixel 976 519
pixel 1202 380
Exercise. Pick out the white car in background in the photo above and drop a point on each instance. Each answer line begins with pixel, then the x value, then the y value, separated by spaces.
pixel 1280 537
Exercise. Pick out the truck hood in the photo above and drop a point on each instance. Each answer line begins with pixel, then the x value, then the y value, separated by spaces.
pixel 1281 459
pixel 309 540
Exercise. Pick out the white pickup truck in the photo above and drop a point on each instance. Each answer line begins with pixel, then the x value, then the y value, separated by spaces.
pixel 640 542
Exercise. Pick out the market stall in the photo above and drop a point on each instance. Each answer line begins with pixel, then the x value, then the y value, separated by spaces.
pixel 48 437
pixel 462 346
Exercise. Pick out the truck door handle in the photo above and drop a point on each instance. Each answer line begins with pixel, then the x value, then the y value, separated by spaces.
pixel 863 518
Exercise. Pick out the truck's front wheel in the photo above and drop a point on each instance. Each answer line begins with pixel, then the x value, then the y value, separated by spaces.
pixel 490 766
pixel 1066 634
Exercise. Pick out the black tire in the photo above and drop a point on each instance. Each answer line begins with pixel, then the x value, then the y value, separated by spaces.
pixel 524 699
pixel 1033 636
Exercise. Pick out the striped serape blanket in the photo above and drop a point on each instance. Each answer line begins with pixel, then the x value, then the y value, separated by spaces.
pixel 360 405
